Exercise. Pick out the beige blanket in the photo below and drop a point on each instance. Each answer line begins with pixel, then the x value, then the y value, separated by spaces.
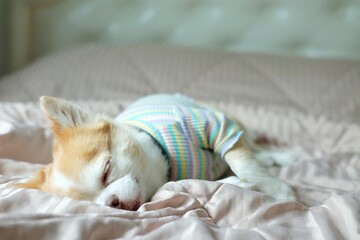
pixel 311 107
pixel 326 179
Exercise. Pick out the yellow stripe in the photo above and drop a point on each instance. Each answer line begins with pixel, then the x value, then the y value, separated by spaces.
pixel 200 133
pixel 147 129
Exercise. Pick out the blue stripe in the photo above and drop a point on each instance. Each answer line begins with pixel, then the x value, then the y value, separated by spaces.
pixel 178 156
pixel 154 133
pixel 196 128
pixel 214 132
pixel 189 154
pixel 231 127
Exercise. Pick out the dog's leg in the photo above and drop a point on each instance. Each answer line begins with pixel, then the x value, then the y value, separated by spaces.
pixel 275 157
pixel 265 156
pixel 271 157
pixel 252 174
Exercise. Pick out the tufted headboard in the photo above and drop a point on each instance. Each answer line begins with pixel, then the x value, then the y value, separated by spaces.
pixel 313 28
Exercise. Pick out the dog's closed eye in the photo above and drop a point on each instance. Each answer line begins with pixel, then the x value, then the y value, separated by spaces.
pixel 106 173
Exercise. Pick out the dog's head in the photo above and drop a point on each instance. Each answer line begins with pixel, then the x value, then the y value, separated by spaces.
pixel 94 158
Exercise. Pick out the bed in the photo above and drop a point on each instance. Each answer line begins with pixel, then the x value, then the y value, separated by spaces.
pixel 302 102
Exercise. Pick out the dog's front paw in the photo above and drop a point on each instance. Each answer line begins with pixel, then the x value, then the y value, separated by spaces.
pixel 279 190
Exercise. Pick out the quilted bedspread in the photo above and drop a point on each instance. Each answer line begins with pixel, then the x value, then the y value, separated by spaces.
pixel 290 101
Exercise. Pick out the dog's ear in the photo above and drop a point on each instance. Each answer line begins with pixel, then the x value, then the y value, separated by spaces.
pixel 38 181
pixel 63 114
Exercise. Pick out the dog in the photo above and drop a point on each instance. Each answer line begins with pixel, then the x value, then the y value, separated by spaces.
pixel 121 162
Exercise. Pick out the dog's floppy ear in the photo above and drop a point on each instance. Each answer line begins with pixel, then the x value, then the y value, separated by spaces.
pixel 38 181
pixel 63 114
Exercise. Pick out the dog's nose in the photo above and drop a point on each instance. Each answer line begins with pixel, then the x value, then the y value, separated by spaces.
pixel 115 202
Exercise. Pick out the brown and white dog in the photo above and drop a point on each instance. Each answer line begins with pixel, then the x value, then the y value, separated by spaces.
pixel 98 159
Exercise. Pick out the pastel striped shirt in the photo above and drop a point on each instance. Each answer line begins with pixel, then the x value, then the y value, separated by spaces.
pixel 194 138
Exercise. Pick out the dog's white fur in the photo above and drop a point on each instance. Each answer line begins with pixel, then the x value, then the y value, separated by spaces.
pixel 137 166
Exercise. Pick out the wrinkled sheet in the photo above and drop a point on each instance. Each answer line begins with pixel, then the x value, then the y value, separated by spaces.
pixel 326 179
pixel 308 106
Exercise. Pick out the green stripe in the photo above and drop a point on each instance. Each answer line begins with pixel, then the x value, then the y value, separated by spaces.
pixel 214 132
pixel 154 133
pixel 178 156
pixel 200 165
pixel 196 123
pixel 231 127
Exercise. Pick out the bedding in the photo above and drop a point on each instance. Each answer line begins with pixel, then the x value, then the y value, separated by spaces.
pixel 317 119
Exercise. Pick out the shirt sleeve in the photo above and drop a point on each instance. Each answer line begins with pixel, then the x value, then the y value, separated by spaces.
pixel 208 129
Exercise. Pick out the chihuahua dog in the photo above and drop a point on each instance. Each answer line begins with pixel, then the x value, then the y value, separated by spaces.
pixel 121 162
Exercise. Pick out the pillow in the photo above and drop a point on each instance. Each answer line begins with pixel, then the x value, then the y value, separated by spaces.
pixel 316 86
pixel 24 132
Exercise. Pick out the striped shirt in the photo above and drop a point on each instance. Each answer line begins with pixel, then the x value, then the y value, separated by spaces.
pixel 194 138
